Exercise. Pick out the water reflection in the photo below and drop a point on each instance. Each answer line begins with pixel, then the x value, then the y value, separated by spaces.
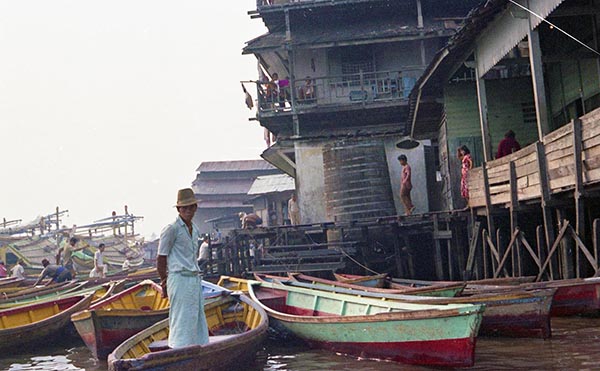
pixel 575 345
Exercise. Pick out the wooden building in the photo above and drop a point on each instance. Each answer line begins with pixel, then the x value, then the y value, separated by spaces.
pixel 221 188
pixel 532 67
pixel 340 105
pixel 270 195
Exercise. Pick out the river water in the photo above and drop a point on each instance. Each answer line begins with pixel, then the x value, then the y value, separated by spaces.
pixel 575 345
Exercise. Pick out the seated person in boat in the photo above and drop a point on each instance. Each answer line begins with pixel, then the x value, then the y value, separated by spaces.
pixel 57 273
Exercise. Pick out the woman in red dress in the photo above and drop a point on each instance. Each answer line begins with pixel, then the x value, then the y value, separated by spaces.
pixel 464 155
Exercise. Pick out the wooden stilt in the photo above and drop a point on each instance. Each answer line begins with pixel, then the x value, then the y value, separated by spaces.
pixel 545 195
pixel 468 274
pixel 484 253
pixel 566 251
pixel 578 193
pixel 439 267
pixel 449 253
pixel 541 248
pixel 596 241
pixel 553 249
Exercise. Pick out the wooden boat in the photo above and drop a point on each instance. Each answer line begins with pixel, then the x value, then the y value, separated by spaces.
pixel 211 291
pixel 233 283
pixel 23 292
pixel 448 289
pixel 440 335
pixel 11 282
pixel 35 297
pixel 573 296
pixel 237 327
pixel 500 281
pixel 109 322
pixel 39 322
pixel 514 313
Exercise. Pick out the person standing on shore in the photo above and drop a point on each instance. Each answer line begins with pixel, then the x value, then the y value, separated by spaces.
pixel 294 210
pixel 406 185
pixel 180 276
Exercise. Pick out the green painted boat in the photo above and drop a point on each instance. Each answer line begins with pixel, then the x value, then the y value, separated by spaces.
pixel 513 313
pixel 72 287
pixel 381 283
pixel 435 335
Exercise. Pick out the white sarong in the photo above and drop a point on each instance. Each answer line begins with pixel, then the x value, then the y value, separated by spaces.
pixel 187 322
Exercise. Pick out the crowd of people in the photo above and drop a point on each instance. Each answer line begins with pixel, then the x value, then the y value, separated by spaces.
pixel 276 92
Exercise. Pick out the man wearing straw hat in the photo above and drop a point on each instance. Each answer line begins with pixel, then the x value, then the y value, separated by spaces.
pixel 180 276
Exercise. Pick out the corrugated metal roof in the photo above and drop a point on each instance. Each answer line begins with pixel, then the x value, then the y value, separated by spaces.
pixel 215 204
pixel 375 29
pixel 241 165
pixel 457 49
pixel 272 183
pixel 222 186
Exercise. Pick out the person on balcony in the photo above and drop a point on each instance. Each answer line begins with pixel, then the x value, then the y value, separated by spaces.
pixel 508 145
pixel 464 155
pixel 307 92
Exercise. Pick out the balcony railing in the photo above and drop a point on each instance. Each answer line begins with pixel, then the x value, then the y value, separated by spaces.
pixel 349 89
pixel 263 3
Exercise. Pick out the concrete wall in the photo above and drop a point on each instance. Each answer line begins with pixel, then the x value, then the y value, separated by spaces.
pixel 416 160
pixel 310 182
pixel 306 59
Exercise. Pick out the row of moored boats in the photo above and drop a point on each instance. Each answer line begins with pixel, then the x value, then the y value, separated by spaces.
pixel 124 320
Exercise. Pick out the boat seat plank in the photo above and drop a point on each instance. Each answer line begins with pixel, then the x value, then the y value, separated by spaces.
pixel 160 345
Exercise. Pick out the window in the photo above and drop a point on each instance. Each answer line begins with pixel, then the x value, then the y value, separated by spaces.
pixel 351 61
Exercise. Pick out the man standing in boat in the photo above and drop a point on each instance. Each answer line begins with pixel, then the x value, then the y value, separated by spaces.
pixel 67 253
pixel 180 276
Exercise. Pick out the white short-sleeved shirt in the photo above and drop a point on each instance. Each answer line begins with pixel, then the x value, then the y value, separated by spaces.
pixel 179 247
pixel 203 251
pixel 99 258
pixel 18 271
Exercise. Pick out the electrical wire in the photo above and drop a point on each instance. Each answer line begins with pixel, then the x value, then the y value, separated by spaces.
pixel 555 26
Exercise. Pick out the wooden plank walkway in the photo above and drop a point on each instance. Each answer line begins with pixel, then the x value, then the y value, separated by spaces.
pixel 559 151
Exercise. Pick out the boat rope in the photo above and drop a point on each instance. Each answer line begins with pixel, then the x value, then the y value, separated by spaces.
pixel 356 262
pixel 552 25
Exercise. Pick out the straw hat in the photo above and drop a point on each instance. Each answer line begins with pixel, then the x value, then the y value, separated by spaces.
pixel 185 197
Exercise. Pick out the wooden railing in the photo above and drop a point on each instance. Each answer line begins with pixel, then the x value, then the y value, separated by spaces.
pixel 555 157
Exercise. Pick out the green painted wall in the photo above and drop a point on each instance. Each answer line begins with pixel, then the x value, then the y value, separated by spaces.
pixel 508 99
pixel 568 82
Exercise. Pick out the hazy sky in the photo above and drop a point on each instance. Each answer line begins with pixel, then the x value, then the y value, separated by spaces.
pixel 112 103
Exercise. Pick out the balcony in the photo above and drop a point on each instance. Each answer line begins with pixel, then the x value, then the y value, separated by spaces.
pixel 369 90
pixel 566 159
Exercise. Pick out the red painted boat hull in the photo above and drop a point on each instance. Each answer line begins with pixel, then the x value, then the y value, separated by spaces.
pixel 453 353
pixel 576 299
